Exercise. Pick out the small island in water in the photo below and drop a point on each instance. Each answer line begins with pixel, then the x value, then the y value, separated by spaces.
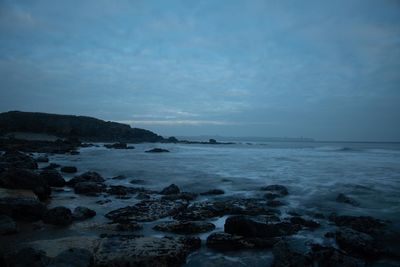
pixel 79 191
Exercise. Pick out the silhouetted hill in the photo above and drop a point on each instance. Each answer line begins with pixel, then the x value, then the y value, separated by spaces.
pixel 85 128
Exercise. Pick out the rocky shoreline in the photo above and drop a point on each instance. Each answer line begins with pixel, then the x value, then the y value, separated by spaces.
pixel 252 223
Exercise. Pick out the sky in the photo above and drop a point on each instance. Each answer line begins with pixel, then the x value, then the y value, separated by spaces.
pixel 328 70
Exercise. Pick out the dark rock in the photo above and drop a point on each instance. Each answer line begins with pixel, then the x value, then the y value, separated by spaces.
pixel 74 152
pixel 364 224
pixel 272 196
pixel 213 192
pixel 288 254
pixel 248 227
pixel 68 169
pixel 119 190
pixel 119 146
pixel 119 177
pixel 128 226
pixel 58 216
pixel 146 211
pixel 170 190
pixel 27 257
pixel 225 242
pixel 274 203
pixel 86 177
pixel 73 257
pixel 183 195
pixel 142 195
pixel 42 159
pixel 144 251
pixel 22 209
pixel 276 189
pixel 357 243
pixel 342 198
pixel 83 213
pixel 89 188
pixel 157 150
pixel 52 178
pixel 51 166
pixel 7 225
pixel 137 181
pixel 185 228
pixel 15 159
pixel 330 235
pixel 306 223
pixel 329 256
pixel 212 141
pixel 25 179
pixel 205 210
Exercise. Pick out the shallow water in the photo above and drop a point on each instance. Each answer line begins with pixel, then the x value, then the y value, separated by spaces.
pixel 314 173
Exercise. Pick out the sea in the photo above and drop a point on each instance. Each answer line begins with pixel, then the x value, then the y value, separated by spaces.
pixel 314 173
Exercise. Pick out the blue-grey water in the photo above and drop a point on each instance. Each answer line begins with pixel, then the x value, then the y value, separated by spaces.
pixel 314 173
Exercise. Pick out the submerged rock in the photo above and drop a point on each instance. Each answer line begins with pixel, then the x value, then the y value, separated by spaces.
pixel 170 190
pixel 7 225
pixel 275 191
pixel 86 177
pixel 157 150
pixel 22 209
pixel 52 178
pixel 144 251
pixel 248 227
pixel 89 188
pixel 342 198
pixel 213 192
pixel 183 195
pixel 185 228
pixel 58 216
pixel 68 169
pixel 83 213
pixel 225 241
pixel 146 211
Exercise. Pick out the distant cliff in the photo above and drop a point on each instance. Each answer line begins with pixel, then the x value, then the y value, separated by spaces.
pixel 82 127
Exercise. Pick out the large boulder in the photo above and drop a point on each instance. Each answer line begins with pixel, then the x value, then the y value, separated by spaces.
pixel 248 227
pixel 58 216
pixel 52 178
pixel 144 251
pixel 89 188
pixel 170 190
pixel 22 209
pixel 83 213
pixel 68 169
pixel 25 179
pixel 185 228
pixel 17 159
pixel 86 177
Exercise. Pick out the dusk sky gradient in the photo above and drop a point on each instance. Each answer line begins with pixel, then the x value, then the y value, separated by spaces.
pixel 329 70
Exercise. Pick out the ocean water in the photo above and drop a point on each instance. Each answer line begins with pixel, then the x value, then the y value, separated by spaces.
pixel 314 173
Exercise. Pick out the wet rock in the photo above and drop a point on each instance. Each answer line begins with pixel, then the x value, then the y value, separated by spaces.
pixel 119 146
pixel 73 257
pixel 58 216
pixel 170 190
pixel 83 213
pixel 288 254
pixel 22 209
pixel 42 159
pixel 342 198
pixel 15 159
pixel 357 243
pixel 25 179
pixel 27 257
pixel 137 181
pixel 224 241
pixel 86 177
pixel 89 188
pixel 329 256
pixel 74 152
pixel 275 191
pixel 146 211
pixel 303 222
pixel 51 166
pixel 274 203
pixel 119 177
pixel 7 225
pixel 183 195
pixel 248 227
pixel 68 169
pixel 213 192
pixel 205 210
pixel 142 195
pixel 364 224
pixel 52 178
pixel 157 150
pixel 144 251
pixel 185 228
pixel 104 201
pixel 128 226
